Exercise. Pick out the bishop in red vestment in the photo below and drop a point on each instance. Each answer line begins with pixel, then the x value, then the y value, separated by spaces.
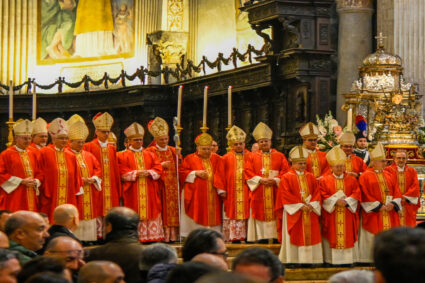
pixel 298 209
pixel 354 165
pixel 168 182
pixel 60 177
pixel 39 135
pixel 316 162
pixel 408 183
pixel 89 202
pixel 201 176
pixel 106 155
pixel 19 172
pixel 381 200
pixel 236 202
pixel 140 171
pixel 263 171
pixel 340 224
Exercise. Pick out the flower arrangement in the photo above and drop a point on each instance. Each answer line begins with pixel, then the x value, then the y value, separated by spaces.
pixel 329 130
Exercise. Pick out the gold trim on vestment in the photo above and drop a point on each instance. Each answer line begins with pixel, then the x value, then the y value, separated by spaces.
pixel 340 218
pixel 142 187
pixel 267 190
pixel 62 177
pixel 306 220
pixel 315 164
pixel 25 160
pixel 348 165
pixel 386 221
pixel 239 196
pixel 211 193
pixel 87 198
pixel 401 179
pixel 106 179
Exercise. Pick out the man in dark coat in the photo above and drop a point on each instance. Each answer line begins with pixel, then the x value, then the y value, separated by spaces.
pixel 122 243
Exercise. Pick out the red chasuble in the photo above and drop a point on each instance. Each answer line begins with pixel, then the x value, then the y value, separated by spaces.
pixel 341 226
pixel 201 200
pixel 22 165
pixel 378 187
pixel 236 203
pixel 168 186
pixel 111 181
pixel 140 193
pixel 61 179
pixel 355 164
pixel 317 163
pixel 408 184
pixel 89 203
pixel 303 227
pixel 263 197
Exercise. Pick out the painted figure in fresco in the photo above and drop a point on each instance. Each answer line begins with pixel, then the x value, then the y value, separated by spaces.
pixel 123 31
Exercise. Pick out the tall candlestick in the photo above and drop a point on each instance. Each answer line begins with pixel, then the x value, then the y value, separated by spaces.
pixel 204 117
pixel 229 106
pixel 350 119
pixel 11 101
pixel 179 105
pixel 34 102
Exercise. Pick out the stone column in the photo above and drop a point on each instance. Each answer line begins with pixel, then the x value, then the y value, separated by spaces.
pixel 354 44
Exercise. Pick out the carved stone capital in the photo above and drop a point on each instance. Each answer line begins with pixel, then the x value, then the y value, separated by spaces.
pixel 170 46
pixel 354 4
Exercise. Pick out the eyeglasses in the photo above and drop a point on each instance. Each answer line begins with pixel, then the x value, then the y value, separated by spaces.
pixel 225 254
pixel 73 254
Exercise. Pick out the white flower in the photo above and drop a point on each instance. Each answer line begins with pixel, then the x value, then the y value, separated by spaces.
pixel 333 123
pixel 322 130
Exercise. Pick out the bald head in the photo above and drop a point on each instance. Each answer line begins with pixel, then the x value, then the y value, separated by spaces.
pixel 120 219
pixel 100 272
pixel 4 241
pixel 27 228
pixel 66 215
pixel 212 260
pixel 66 249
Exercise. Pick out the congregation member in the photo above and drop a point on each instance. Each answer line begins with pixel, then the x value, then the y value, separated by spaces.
pixel 263 171
pixel 4 215
pixel 160 256
pixel 381 201
pixel 316 162
pixel 19 172
pixel 236 203
pixel 203 188
pixel 168 185
pixel 408 183
pixel 204 240
pixel 4 241
pixel 39 135
pixel 211 260
pixel 398 255
pixel 65 221
pixel 298 202
pixel 361 149
pixel 59 170
pixel 354 165
pixel 26 232
pixel 214 147
pixel 259 263
pixel 44 267
pixel 121 243
pixel 106 155
pixel 140 171
pixel 341 196
pixel 89 208
pixel 9 266
pixel 101 272
pixel 69 251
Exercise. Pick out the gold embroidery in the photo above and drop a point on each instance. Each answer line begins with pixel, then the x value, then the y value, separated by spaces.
pixel 348 165
pixel 315 164
pixel 142 187
pixel 28 173
pixel 239 196
pixel 62 177
pixel 106 181
pixel 305 192
pixel 211 194
pixel 401 178
pixel 87 201
pixel 386 221
pixel 340 218
pixel 267 190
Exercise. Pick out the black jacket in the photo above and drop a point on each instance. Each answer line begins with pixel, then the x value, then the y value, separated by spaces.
pixel 57 231
pixel 158 273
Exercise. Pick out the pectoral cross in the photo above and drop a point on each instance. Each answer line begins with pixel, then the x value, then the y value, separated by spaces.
pixel 263 171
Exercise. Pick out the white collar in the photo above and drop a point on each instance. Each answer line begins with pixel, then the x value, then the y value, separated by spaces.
pixel 339 177
pixel 76 152
pixel 20 149
pixel 310 151
pixel 270 151
pixel 362 149
pixel 299 172
pixel 165 148
pixel 136 150
pixel 401 169
pixel 57 149
pixel 39 146
pixel 378 171
pixel 103 144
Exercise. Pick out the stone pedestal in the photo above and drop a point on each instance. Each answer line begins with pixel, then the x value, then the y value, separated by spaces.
pixel 166 48
pixel 354 44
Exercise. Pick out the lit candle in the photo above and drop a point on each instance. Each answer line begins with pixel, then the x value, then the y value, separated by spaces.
pixel 350 119
pixel 34 103
pixel 11 100
pixel 204 118
pixel 229 105
pixel 179 105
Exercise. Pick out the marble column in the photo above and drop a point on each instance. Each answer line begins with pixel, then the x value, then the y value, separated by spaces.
pixel 354 44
